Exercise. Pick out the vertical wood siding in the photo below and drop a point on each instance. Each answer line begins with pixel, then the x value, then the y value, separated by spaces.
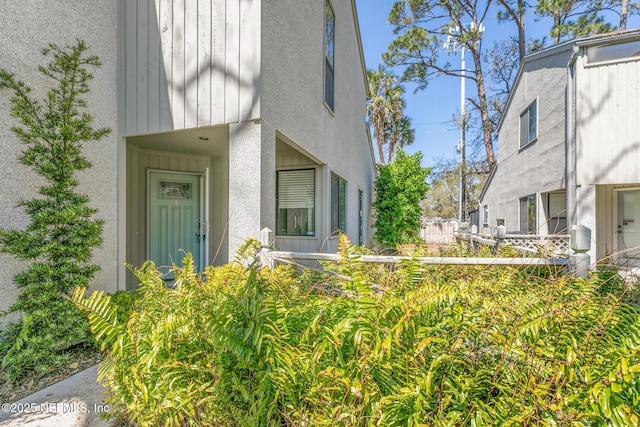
pixel 607 129
pixel 189 63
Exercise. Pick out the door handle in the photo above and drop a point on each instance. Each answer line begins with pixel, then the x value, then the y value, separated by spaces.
pixel 204 227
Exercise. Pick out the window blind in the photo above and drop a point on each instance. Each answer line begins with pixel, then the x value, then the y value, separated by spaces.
pixel 296 189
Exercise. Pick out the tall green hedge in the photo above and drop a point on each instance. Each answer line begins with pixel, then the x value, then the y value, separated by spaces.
pixel 400 186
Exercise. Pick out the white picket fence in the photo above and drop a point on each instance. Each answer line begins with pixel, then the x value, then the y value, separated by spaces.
pixel 270 257
pixel 442 233
pixel 273 256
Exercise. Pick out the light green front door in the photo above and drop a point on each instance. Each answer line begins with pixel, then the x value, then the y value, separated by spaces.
pixel 174 218
pixel 629 227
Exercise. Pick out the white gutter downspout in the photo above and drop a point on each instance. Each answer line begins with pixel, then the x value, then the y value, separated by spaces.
pixel 570 143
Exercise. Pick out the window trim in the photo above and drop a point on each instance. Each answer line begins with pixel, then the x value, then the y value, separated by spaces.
pixel 558 216
pixel 342 209
pixel 592 51
pixel 360 217
pixel 526 113
pixel 329 103
pixel 485 215
pixel 526 199
pixel 315 202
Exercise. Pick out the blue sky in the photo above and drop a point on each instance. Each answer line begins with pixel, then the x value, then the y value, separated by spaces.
pixel 432 109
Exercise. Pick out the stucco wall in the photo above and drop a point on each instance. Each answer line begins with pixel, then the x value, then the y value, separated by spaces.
pixel 25 28
pixel 293 93
pixel 538 167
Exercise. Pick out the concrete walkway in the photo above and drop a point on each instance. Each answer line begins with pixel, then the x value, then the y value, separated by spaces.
pixel 76 401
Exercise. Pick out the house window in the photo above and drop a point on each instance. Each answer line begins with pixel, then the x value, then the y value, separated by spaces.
pixel 295 202
pixel 529 124
pixel 485 215
pixel 613 52
pixel 338 204
pixel 329 42
pixel 528 215
pixel 360 217
pixel 557 207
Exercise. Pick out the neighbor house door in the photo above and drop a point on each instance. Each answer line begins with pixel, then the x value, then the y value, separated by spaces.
pixel 629 227
pixel 176 207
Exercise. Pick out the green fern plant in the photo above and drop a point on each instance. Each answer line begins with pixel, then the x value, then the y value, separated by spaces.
pixel 243 345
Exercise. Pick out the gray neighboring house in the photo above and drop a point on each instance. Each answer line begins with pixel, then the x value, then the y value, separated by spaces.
pixel 569 146
pixel 228 116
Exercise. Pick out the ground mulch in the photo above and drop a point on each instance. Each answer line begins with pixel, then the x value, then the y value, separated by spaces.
pixel 79 359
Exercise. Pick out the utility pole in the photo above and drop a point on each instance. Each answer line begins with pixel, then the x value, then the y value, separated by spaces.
pixel 452 46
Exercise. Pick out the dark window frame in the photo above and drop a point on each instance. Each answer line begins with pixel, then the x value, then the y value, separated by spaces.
pixel 529 214
pixel 338 204
pixel 529 124
pixel 329 56
pixel 307 228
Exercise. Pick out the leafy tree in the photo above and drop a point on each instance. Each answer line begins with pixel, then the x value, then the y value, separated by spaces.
pixel 385 111
pixel 59 239
pixel 442 199
pixel 400 186
pixel 573 18
pixel 514 11
pixel 423 27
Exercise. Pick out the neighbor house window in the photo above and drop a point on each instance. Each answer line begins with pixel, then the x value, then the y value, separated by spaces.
pixel 295 202
pixel 528 215
pixel 529 124
pixel 613 52
pixel 361 217
pixel 485 215
pixel 338 203
pixel 329 46
pixel 557 207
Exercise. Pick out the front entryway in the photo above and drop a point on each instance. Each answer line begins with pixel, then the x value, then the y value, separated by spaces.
pixel 176 206
pixel 629 227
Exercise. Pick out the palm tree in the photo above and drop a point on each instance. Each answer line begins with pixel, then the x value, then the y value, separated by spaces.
pixel 385 105
pixel 400 134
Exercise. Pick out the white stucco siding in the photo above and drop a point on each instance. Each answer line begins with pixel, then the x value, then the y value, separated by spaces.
pixel 607 127
pixel 25 28
pixel 189 63
pixel 538 167
pixel 293 93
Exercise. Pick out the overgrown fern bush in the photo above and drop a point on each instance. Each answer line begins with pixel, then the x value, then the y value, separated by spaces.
pixel 420 345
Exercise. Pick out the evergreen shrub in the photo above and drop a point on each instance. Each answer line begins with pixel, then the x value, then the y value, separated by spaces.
pixel 58 241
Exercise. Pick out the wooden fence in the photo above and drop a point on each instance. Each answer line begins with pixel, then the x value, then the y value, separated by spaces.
pixel 438 232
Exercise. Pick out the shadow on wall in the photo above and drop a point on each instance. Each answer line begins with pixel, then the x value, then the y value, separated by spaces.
pixel 179 75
